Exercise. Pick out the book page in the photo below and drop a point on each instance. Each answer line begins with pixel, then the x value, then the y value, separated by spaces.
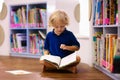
pixel 51 58
pixel 19 72
pixel 68 60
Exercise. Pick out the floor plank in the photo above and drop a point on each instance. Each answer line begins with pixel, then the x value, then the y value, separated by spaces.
pixel 85 72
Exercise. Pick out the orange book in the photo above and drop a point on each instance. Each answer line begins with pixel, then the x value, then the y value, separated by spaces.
pixel 112 11
pixel 110 49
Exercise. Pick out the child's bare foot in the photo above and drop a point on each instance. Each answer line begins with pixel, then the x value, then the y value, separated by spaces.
pixel 41 62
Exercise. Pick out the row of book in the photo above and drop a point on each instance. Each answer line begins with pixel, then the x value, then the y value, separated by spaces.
pixel 18 17
pixel 36 42
pixel 37 17
pixel 19 42
pixel 105 48
pixel 106 12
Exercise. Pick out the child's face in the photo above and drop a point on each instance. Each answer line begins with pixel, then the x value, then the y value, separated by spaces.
pixel 59 29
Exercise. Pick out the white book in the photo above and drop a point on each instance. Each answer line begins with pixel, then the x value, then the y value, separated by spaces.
pixel 60 62
pixel 18 72
pixel 43 15
pixel 21 38
pixel 42 34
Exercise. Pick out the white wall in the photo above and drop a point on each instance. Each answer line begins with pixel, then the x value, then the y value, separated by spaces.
pixel 85 51
pixel 4 49
pixel 68 5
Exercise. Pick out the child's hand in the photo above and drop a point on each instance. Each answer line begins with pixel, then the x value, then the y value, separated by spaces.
pixel 63 46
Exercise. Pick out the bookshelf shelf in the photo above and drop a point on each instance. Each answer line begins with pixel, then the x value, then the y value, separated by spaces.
pixel 106 25
pixel 26 21
pixel 113 76
pixel 105 34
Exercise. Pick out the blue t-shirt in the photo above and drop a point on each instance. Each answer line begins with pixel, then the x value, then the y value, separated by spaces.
pixel 53 42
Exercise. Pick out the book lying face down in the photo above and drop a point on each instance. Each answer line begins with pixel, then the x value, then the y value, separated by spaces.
pixel 60 62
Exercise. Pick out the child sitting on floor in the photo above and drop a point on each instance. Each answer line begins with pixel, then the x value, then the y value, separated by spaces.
pixel 60 41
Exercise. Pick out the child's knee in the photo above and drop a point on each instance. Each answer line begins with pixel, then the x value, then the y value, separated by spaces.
pixel 78 59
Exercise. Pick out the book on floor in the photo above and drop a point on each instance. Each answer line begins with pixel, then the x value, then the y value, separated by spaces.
pixel 18 72
pixel 60 62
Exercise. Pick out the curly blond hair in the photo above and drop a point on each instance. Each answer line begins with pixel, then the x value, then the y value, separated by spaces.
pixel 58 18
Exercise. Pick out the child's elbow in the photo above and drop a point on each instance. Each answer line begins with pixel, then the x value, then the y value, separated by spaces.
pixel 77 48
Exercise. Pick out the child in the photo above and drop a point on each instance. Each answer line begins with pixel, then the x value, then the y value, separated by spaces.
pixel 60 41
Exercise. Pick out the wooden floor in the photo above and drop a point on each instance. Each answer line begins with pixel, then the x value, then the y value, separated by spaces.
pixel 85 72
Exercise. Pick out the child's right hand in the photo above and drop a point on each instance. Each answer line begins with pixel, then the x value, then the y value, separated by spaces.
pixel 63 46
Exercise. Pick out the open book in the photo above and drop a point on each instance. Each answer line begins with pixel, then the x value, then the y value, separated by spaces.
pixel 60 62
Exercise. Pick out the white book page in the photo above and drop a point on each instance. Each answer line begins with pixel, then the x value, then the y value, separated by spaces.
pixel 51 58
pixel 18 72
pixel 68 59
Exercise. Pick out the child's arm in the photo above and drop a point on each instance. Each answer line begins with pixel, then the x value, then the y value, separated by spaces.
pixel 70 48
pixel 46 52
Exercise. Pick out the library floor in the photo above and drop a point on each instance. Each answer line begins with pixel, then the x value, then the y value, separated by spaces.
pixel 7 63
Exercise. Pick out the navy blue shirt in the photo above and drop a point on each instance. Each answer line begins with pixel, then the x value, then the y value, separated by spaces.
pixel 53 42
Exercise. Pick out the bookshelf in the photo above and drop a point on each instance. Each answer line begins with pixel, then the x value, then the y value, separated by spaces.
pixel 27 23
pixel 105 33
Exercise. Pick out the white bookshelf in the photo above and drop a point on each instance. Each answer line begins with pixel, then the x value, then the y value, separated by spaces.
pixel 99 52
pixel 27 19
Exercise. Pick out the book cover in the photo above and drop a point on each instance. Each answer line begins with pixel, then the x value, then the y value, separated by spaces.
pixel 112 11
pixel 117 47
pixel 42 35
pixel 110 49
pixel 105 22
pixel 43 15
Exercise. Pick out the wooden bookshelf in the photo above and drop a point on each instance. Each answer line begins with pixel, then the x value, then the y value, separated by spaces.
pixel 105 32
pixel 26 21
